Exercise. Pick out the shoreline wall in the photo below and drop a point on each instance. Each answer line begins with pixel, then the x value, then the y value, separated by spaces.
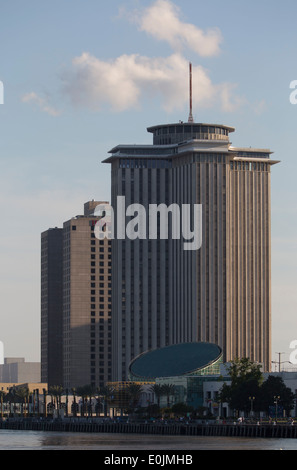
pixel 215 430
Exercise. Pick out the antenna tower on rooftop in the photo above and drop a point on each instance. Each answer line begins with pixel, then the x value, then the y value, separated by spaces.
pixel 191 97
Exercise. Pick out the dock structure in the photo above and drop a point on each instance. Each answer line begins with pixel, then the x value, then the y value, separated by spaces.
pixel 282 431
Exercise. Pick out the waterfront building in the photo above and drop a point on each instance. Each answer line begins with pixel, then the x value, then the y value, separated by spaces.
pixel 76 311
pixel 17 370
pixel 220 292
pixel 183 359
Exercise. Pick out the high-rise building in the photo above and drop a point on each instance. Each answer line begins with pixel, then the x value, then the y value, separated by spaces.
pixel 52 306
pixel 79 323
pixel 164 294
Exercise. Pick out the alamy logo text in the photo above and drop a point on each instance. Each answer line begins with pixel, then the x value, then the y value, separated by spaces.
pixel 160 221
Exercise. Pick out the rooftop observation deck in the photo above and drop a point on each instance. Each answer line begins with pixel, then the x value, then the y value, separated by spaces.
pixel 167 134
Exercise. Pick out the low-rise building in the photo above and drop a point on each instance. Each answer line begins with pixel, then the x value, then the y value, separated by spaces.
pixel 17 370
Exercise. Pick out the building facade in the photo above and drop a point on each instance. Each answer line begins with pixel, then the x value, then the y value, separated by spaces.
pixel 84 310
pixel 218 292
pixel 17 370
pixel 52 306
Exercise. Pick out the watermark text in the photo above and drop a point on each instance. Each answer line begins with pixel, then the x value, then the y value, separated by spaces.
pixel 293 355
pixel 293 95
pixel 158 222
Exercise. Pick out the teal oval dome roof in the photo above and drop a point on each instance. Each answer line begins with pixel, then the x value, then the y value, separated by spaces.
pixel 175 360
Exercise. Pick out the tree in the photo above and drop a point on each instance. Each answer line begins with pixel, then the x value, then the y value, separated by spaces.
pixel 105 393
pixel 85 392
pixel 168 390
pixel 246 378
pixel 74 406
pixel 2 396
pixel 89 392
pixel 23 394
pixel 11 399
pixel 275 387
pixel 158 391
pixel 244 370
pixel 180 409
pixel 134 391
pixel 44 402
pixel 56 392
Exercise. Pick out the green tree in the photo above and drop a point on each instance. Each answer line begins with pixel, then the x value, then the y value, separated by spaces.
pixel 2 397
pixel 246 378
pixel 158 391
pixel 105 395
pixel 180 409
pixel 86 392
pixel 169 391
pixel 90 392
pixel 23 394
pixel 45 401
pixel 11 398
pixel 244 370
pixel 56 392
pixel 74 405
pixel 275 387
pixel 134 391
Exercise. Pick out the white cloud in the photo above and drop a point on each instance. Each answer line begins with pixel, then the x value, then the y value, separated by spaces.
pixel 162 21
pixel 123 81
pixel 260 107
pixel 42 103
pixel 230 102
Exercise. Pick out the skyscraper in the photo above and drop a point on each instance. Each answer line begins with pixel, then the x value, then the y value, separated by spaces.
pixel 220 292
pixel 52 306
pixel 76 303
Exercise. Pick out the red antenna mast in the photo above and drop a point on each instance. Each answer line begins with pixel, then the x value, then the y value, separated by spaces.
pixel 191 97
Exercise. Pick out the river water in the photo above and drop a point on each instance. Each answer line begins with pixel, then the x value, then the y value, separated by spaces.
pixel 31 440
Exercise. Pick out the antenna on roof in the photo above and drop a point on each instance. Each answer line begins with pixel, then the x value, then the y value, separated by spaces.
pixel 191 96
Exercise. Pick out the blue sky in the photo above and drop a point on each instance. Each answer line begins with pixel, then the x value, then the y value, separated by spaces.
pixel 83 76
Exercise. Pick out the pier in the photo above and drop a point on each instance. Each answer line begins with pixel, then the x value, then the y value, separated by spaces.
pixel 281 431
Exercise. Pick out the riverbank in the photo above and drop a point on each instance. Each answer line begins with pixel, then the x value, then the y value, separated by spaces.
pixel 171 429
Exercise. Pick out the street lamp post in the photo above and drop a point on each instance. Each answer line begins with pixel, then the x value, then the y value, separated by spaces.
pixel 276 399
pixel 279 362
